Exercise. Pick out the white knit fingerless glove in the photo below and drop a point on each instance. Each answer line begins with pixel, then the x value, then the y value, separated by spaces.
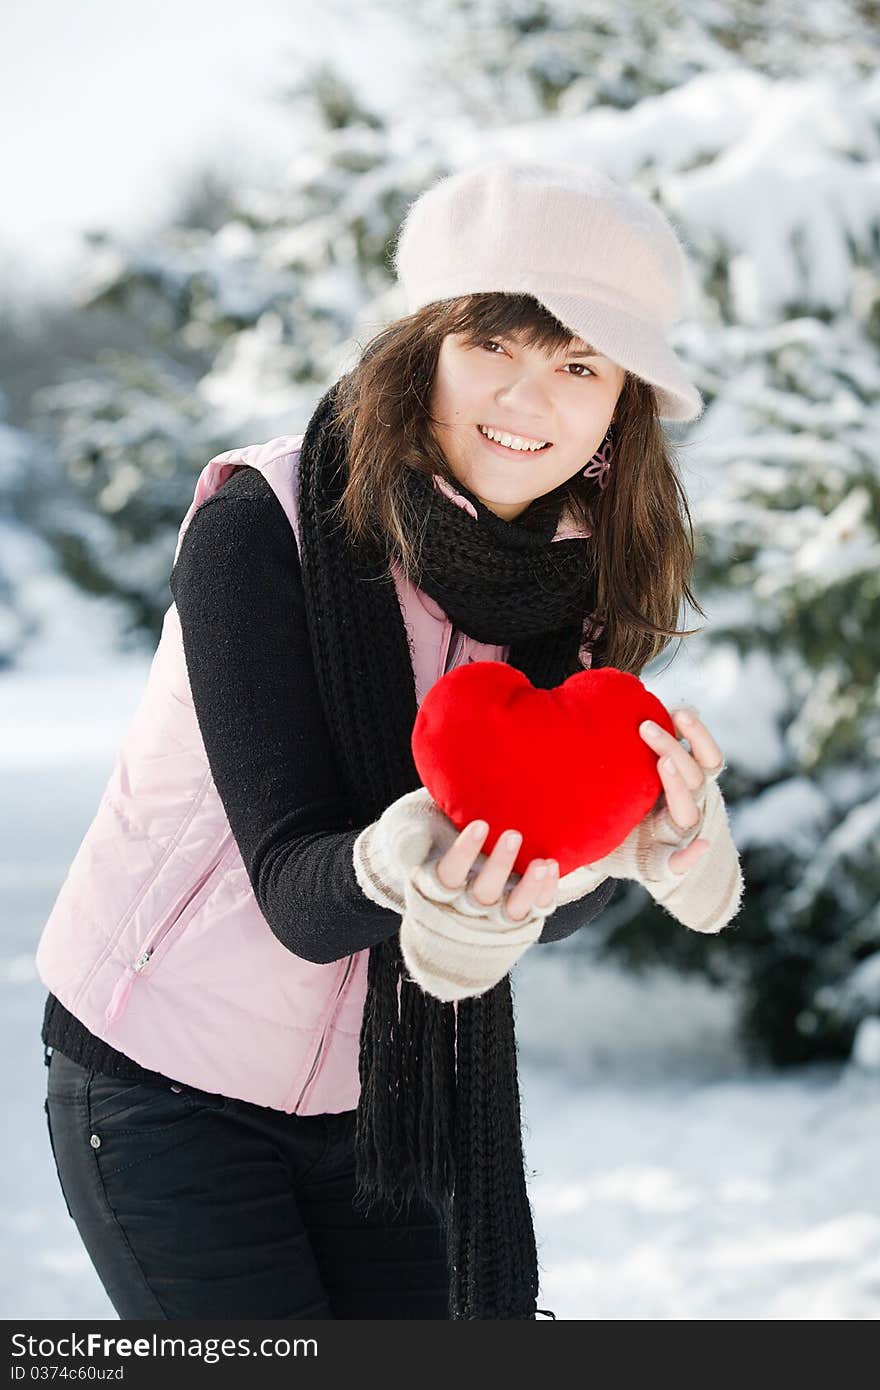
pixel 453 946
pixel 707 895
pixel 386 851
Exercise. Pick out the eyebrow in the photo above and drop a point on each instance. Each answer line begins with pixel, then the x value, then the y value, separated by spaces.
pixel 585 351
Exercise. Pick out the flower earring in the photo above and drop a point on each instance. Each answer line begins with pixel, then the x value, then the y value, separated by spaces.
pixel 599 466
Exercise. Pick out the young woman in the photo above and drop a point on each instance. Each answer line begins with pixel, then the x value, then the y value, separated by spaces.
pixel 282 1065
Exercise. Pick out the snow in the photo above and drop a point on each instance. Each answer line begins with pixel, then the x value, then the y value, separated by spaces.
pixel 712 679
pixel 751 1199
pixel 761 192
pixel 866 1046
pixel 75 171
pixel 797 803
pixel 668 1179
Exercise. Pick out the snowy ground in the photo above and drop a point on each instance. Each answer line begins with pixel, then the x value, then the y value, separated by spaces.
pixel 668 1181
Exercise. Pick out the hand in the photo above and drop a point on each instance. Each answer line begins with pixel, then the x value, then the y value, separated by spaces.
pixel 536 886
pixel 683 773
pixel 454 945
pixel 459 940
pixel 682 851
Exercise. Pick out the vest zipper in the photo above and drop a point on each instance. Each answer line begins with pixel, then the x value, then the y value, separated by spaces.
pixel 447 643
pixel 315 1059
pixel 122 988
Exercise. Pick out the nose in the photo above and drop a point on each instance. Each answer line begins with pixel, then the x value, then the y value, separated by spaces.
pixel 524 398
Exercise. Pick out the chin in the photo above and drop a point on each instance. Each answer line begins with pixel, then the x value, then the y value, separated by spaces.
pixel 506 497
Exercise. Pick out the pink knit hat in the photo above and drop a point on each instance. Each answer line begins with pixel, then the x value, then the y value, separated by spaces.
pixel 600 256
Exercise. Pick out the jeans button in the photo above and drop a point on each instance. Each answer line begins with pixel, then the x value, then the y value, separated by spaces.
pixel 95 1141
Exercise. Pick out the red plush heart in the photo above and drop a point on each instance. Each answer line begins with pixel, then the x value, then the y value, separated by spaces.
pixel 566 767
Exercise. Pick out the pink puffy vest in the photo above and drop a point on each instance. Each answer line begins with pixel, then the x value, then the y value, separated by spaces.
pixel 156 941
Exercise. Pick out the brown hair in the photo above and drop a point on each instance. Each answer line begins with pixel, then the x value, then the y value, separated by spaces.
pixel 643 550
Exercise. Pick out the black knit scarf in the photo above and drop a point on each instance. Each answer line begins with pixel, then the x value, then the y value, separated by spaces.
pixel 439 1109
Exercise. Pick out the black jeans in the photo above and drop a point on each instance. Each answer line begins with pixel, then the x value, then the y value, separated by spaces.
pixel 194 1205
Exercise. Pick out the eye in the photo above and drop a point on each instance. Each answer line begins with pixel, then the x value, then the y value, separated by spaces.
pixel 493 343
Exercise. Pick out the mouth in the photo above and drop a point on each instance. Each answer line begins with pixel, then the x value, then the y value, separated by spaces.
pixel 506 450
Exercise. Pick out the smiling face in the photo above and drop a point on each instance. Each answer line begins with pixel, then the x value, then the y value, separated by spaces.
pixel 565 400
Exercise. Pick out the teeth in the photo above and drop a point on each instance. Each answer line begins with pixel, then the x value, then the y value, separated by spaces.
pixel 512 441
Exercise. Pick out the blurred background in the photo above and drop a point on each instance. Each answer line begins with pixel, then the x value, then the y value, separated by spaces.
pixel 200 201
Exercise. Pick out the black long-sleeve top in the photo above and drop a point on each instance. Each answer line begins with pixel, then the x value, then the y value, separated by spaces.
pixel 237 586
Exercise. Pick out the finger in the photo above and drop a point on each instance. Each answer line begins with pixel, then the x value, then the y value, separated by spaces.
pixel 549 884
pixel 682 807
pixel 704 749
pixel 490 881
pixel 453 868
pixel 684 859
pixel 537 885
pixel 667 745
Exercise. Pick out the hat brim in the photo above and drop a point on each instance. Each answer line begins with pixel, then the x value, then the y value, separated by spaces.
pixel 631 343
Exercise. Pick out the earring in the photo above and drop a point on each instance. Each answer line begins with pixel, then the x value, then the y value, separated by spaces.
pixel 600 464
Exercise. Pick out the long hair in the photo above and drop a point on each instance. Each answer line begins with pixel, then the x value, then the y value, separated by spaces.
pixel 643 540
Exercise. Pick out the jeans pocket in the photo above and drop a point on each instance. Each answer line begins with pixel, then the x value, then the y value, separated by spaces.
pixel 145 1107
pixel 131 1122
pixel 55 1157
